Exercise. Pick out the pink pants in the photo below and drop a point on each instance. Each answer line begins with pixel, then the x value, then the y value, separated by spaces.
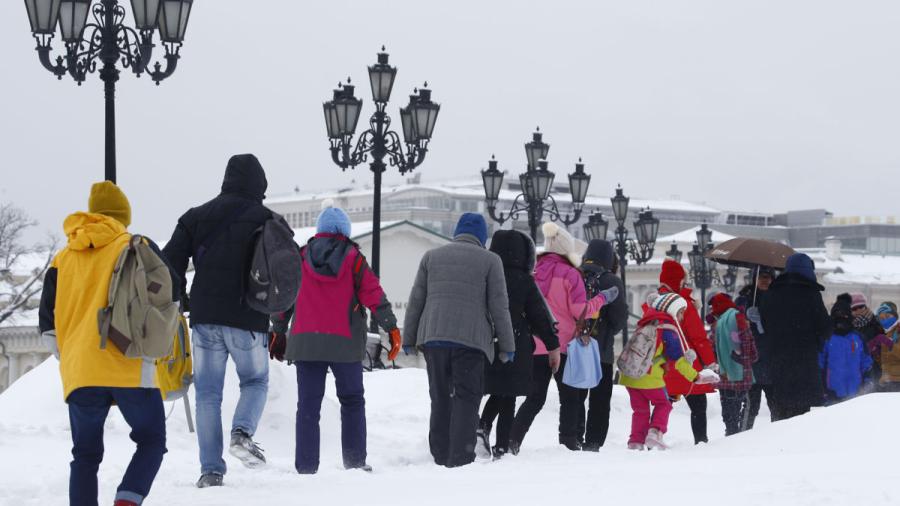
pixel 641 420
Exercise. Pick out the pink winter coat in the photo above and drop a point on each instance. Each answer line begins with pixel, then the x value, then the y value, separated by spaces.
pixel 563 288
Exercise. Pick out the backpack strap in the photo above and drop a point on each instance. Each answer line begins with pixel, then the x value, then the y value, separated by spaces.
pixel 104 319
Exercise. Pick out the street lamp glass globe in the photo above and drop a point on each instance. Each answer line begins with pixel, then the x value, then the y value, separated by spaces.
pixel 536 150
pixel 650 226
pixel 381 78
pixel 72 18
pixel 331 120
pixel 146 14
pixel 409 133
pixel 620 206
pixel 493 181
pixel 424 114
pixel 674 253
pixel 596 227
pixel 543 180
pixel 348 109
pixel 173 20
pixel 704 237
pixel 42 14
pixel 578 185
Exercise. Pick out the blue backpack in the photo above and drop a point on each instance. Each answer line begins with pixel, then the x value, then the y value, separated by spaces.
pixel 583 369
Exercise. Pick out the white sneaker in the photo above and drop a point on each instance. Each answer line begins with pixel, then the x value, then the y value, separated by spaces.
pixel 636 446
pixel 655 440
pixel 483 446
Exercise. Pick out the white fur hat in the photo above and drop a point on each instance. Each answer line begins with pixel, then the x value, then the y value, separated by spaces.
pixel 561 242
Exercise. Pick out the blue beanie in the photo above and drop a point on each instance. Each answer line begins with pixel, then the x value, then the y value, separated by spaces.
pixel 472 224
pixel 800 263
pixel 333 220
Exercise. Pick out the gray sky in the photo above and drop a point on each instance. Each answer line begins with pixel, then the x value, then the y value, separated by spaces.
pixel 751 105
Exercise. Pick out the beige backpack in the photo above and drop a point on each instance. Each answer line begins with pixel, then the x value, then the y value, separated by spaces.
pixel 140 318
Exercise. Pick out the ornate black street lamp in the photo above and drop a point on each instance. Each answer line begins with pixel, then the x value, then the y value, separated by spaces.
pixel 703 270
pixel 378 142
pixel 106 41
pixel 674 253
pixel 646 229
pixel 596 227
pixel 537 184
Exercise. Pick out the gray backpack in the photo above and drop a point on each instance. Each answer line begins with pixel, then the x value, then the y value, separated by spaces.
pixel 274 279
pixel 637 357
pixel 140 317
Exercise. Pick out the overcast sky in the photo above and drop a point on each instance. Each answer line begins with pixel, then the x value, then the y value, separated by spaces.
pixel 749 105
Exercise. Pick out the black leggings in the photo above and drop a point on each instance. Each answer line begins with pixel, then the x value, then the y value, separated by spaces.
pixel 697 403
pixel 569 402
pixel 504 407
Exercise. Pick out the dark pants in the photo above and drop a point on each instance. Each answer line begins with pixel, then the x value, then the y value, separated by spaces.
pixel 569 401
pixel 734 406
pixel 697 403
pixel 348 378
pixel 503 409
pixel 756 400
pixel 456 385
pixel 784 407
pixel 143 410
pixel 599 397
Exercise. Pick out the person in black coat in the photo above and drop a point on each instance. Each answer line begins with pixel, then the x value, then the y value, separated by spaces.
pixel 599 266
pixel 530 317
pixel 219 236
pixel 794 316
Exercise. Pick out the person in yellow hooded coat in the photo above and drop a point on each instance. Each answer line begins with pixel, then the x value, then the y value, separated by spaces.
pixel 94 378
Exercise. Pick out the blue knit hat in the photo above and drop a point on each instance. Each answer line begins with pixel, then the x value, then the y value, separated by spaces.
pixel 887 308
pixel 333 220
pixel 800 263
pixel 472 224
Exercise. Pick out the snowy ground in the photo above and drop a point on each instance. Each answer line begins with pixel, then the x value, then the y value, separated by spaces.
pixel 836 456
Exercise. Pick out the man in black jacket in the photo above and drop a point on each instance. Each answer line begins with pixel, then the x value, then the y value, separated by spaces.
pixel 795 318
pixel 219 237
pixel 599 266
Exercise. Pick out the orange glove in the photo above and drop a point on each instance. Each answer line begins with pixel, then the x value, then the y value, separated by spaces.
pixel 396 342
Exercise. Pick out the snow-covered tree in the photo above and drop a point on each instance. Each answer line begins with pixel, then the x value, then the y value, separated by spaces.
pixel 22 266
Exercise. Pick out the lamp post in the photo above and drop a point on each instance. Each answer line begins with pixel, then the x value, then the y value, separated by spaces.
pixel 640 249
pixel 703 271
pixel 379 142
pixel 106 41
pixel 537 184
pixel 674 253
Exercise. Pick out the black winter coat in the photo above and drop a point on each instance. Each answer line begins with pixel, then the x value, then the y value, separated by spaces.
pixel 795 319
pixel 528 311
pixel 613 316
pixel 217 292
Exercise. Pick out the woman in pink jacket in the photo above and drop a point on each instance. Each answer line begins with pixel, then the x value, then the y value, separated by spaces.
pixel 563 289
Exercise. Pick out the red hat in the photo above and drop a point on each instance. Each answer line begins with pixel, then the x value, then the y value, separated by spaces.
pixel 672 274
pixel 720 303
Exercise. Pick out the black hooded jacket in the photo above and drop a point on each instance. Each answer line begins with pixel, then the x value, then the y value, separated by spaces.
pixel 529 313
pixel 597 270
pixel 795 319
pixel 217 292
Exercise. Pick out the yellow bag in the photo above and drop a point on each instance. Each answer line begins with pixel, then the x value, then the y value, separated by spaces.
pixel 174 373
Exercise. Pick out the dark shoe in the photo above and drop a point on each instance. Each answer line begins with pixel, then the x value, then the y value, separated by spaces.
pixel 514 447
pixel 571 444
pixel 210 480
pixel 590 447
pixel 500 452
pixel 244 449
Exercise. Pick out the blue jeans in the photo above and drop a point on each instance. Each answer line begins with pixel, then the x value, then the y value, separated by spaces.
pixel 348 379
pixel 143 411
pixel 212 346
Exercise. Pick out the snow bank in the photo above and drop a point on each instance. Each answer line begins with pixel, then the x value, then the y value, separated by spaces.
pixel 832 456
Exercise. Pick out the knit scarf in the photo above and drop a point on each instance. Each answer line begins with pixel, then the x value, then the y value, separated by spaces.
pixel 862 321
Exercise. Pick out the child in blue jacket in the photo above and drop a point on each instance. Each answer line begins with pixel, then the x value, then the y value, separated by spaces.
pixel 843 359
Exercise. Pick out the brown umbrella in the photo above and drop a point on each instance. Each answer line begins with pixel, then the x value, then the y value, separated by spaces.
pixel 749 253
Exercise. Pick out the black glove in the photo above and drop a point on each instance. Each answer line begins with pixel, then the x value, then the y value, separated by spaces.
pixel 277 346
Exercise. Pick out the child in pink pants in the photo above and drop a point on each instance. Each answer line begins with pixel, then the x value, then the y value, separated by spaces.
pixel 649 390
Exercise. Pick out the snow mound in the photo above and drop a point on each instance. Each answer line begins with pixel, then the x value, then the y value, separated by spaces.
pixel 831 456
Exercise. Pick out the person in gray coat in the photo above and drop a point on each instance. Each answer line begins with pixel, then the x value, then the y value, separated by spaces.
pixel 458 313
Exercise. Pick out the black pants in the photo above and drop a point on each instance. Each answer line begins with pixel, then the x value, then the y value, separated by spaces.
pixel 734 406
pixel 787 406
pixel 756 401
pixel 697 403
pixel 504 408
pixel 569 401
pixel 456 385
pixel 599 397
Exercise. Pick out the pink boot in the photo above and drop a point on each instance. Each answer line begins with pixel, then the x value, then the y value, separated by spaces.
pixel 655 440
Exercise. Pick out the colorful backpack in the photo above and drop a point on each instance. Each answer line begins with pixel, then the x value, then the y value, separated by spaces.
pixel 637 357
pixel 174 373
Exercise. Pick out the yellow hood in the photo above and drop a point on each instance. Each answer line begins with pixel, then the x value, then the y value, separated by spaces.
pixel 89 230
